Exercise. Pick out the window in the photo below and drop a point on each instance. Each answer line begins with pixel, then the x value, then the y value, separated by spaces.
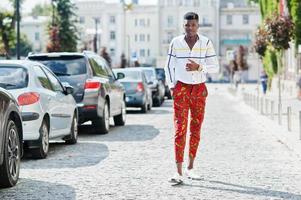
pixel 229 19
pixel 136 22
pixel 142 52
pixel 148 37
pixel 42 78
pixel 136 37
pixel 112 20
pixel 37 36
pixel 112 52
pixel 13 77
pixel 169 21
pixel 148 52
pixel 112 35
pixel 81 20
pixel 169 37
pixel 98 66
pixel 245 19
pixel 148 22
pixel 142 22
pixel 142 37
pixel 54 82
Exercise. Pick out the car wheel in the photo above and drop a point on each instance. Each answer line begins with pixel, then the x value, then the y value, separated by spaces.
pixel 72 138
pixel 157 101
pixel 102 124
pixel 150 105
pixel 120 119
pixel 42 151
pixel 144 108
pixel 10 168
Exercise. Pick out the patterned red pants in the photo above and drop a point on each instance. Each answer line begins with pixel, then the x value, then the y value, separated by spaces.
pixel 188 97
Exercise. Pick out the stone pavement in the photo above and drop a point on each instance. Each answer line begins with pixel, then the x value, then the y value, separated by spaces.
pixel 239 158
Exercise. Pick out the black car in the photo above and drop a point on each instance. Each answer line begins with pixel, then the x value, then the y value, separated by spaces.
pixel 97 92
pixel 161 76
pixel 11 134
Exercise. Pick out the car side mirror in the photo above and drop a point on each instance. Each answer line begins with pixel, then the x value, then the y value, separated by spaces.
pixel 68 89
pixel 120 75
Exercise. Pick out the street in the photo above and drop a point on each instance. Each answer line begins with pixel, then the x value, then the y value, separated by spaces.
pixel 239 158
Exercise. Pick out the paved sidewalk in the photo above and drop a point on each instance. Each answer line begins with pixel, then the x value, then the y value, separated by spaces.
pixel 289 138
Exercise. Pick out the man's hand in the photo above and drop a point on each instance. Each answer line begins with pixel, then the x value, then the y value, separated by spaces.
pixel 193 66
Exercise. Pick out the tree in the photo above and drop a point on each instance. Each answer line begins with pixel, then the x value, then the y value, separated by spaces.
pixel 25 46
pixel 240 59
pixel 7 31
pixel 63 32
pixel 295 12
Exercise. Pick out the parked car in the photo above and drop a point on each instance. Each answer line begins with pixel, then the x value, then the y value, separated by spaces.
pixel 11 134
pixel 98 93
pixel 157 86
pixel 161 76
pixel 138 94
pixel 47 107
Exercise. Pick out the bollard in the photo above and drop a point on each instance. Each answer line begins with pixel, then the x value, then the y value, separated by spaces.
pixel 257 103
pixel 266 106
pixel 289 118
pixel 279 114
pixel 261 105
pixel 300 125
pixel 272 110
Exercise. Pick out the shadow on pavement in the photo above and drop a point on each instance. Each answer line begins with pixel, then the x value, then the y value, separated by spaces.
pixel 153 111
pixel 33 189
pixel 256 191
pixel 68 156
pixel 123 133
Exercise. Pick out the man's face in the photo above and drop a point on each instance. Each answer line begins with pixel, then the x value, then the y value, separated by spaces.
pixel 191 27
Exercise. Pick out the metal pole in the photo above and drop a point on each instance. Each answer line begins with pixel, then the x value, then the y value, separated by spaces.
pixel 266 106
pixel 289 120
pixel 300 125
pixel 18 28
pixel 272 110
pixel 129 50
pixel 279 114
pixel 261 105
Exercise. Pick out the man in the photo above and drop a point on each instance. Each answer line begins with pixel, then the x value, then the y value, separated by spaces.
pixel 190 58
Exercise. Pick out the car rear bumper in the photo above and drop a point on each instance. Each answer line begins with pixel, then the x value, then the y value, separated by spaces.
pixel 135 100
pixel 86 112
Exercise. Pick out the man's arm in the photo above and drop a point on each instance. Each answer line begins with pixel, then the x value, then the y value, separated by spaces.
pixel 211 64
pixel 170 66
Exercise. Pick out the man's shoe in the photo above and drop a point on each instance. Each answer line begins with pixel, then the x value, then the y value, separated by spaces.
pixel 189 173
pixel 177 179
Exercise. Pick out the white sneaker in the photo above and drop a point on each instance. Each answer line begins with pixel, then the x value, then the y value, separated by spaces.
pixel 189 173
pixel 177 179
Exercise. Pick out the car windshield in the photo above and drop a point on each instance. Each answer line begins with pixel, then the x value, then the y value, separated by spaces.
pixel 149 73
pixel 13 77
pixel 63 65
pixel 130 75
pixel 160 74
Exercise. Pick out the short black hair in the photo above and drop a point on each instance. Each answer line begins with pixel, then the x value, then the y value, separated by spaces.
pixel 191 16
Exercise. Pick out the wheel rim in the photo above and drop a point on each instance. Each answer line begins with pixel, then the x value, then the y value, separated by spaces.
pixel 107 118
pixel 13 153
pixel 45 138
pixel 123 111
pixel 75 129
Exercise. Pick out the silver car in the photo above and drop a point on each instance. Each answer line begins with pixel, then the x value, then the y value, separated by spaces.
pixel 47 107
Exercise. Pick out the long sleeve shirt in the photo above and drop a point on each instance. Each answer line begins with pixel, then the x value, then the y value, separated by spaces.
pixel 179 52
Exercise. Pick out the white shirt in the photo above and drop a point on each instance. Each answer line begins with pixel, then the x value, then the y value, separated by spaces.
pixel 179 52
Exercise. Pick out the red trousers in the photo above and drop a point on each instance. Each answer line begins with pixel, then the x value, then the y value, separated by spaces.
pixel 188 97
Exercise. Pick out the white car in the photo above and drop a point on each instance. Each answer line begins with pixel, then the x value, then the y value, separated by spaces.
pixel 47 107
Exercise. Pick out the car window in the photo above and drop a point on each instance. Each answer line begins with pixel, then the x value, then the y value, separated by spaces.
pixel 98 66
pixel 63 65
pixel 43 79
pixel 130 75
pixel 54 81
pixel 13 77
pixel 149 74
pixel 110 72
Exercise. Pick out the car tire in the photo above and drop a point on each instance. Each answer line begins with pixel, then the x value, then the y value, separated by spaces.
pixel 10 168
pixel 144 108
pixel 72 138
pixel 119 120
pixel 102 124
pixel 157 102
pixel 43 143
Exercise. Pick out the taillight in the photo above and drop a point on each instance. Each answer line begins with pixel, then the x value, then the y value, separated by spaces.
pixel 92 85
pixel 28 98
pixel 140 87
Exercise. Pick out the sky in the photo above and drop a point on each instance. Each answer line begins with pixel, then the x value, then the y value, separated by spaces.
pixel 29 4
